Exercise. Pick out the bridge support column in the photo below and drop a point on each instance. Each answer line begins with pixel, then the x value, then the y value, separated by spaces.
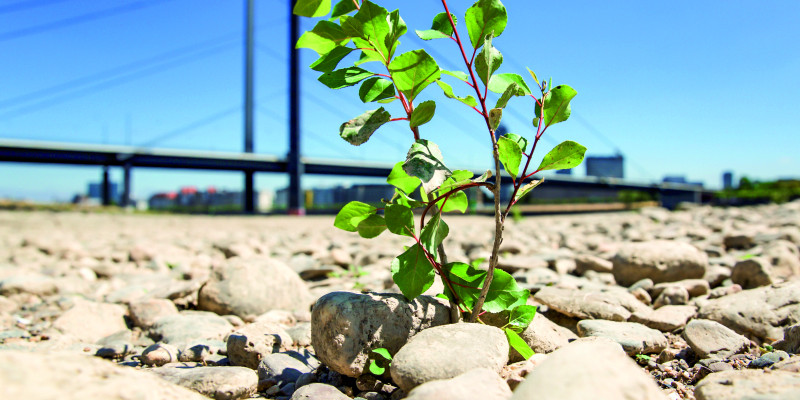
pixel 105 191
pixel 296 168
pixel 126 188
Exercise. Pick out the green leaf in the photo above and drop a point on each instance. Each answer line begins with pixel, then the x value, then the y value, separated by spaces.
pixel 518 344
pixel 440 28
pixel 312 8
pixel 383 353
pixel 423 113
pixel 430 34
pixel 403 199
pixel 521 317
pixel 397 28
pixel 495 115
pixel 483 18
pixel 400 220
pixel 401 180
pixel 325 36
pixel 387 101
pixel 510 92
pixel 556 105
pixel 500 83
pixel 330 60
pixel 371 227
pixel 457 74
pixel 433 234
pixel 456 202
pixel 412 272
pixel 357 131
pixel 488 60
pixel 344 77
pixel 504 293
pixel 343 7
pixel 374 27
pixel 527 188
pixel 413 71
pixel 510 155
pixel 424 160
pixel 448 91
pixel 352 214
pixel 374 368
pixel 374 89
pixel 521 141
pixel 460 177
pixel 533 74
pixel 566 155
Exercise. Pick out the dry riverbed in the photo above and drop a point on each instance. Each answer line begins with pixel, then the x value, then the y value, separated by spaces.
pixel 702 303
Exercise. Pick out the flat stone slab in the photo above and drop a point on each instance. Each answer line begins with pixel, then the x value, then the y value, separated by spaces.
pixel 710 339
pixel 219 383
pixel 749 384
pixel 634 338
pixel 666 318
pixel 616 305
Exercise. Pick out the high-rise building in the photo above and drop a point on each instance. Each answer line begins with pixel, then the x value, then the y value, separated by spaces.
pixel 96 192
pixel 605 167
pixel 727 180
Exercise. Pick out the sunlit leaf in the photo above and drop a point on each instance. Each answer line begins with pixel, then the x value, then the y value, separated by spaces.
pixel 518 344
pixel 488 60
pixel 527 188
pixel 352 214
pixel 448 91
pixel 343 7
pixel 329 61
pixel 500 83
pixel 311 8
pixel 424 160
pixel 357 131
pixel 401 180
pixel 557 106
pixel 483 18
pixel 412 272
pixel 413 71
pixel 566 155
pixel 510 155
pixel 325 36
pixel 371 226
pixel 344 77
pixel 399 220
pixel 374 89
pixel 422 113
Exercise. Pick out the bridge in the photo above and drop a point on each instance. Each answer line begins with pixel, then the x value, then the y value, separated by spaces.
pixel 128 157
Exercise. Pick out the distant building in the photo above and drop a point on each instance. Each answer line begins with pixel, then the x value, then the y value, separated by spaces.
pixel 95 192
pixel 189 198
pixel 564 171
pixel 727 180
pixel 340 195
pixel 605 167
pixel 680 179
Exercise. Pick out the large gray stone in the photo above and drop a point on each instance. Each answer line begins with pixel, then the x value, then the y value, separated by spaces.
pixel 444 352
pixel 36 284
pixel 252 286
pixel 710 339
pixel 616 305
pixel 760 313
pixel 659 260
pixel 72 376
pixel 749 385
pixel 597 370
pixel 187 326
pixel 791 340
pixel 479 383
pixel 282 368
pixel 219 383
pixel 634 338
pixel 346 327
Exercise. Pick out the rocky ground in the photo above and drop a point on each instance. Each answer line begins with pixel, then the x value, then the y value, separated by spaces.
pixel 702 303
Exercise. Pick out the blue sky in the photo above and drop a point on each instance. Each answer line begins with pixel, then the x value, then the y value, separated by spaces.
pixel 690 88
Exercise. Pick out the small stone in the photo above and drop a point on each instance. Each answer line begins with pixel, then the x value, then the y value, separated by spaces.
pixel 768 359
pixel 90 321
pixel 672 295
pixel 301 334
pixel 738 241
pixel 282 368
pixel 587 262
pixel 642 295
pixel 710 339
pixel 752 273
pixel 634 338
pixel 305 379
pixel 791 340
pixel 35 284
pixel 187 326
pixel 194 352
pixel 318 391
pixel 248 345
pixel 543 336
pixel 429 355
pixel 159 354
pixel 695 287
pixel 145 313
pixel 590 304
